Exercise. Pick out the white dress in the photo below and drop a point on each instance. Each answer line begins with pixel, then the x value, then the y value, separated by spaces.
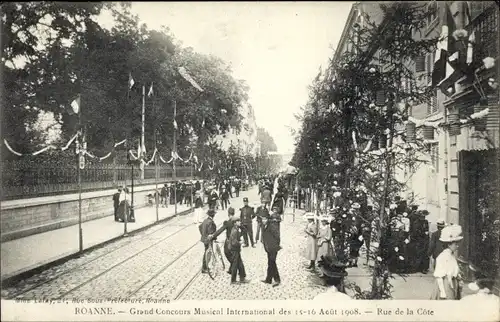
pixel 447 269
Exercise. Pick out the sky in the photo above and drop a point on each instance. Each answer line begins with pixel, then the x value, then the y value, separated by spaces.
pixel 276 47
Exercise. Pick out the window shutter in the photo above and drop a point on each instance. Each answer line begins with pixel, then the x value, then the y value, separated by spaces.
pixel 420 64
pixel 434 101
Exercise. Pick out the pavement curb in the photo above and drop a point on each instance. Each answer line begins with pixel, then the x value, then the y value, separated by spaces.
pixel 26 273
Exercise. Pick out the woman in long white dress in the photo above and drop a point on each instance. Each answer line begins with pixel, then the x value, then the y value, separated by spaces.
pixel 447 271
pixel 311 245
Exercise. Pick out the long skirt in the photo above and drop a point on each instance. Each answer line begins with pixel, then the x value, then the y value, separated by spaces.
pixel 325 249
pixel 451 289
pixel 311 248
pixel 124 210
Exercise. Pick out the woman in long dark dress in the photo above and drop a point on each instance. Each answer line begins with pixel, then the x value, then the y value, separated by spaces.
pixel 124 207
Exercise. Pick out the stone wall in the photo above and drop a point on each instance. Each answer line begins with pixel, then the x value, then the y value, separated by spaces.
pixel 21 218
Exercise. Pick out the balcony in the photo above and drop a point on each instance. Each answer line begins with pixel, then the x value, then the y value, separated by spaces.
pixel 485 26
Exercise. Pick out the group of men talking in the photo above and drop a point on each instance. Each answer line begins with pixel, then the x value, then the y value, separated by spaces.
pixel 236 227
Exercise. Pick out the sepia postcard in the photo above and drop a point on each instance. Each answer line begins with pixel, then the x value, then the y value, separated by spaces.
pixel 250 161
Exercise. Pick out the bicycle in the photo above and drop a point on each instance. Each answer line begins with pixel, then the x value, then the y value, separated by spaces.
pixel 214 259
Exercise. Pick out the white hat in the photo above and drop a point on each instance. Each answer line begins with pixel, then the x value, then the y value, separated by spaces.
pixel 325 218
pixel 309 215
pixel 451 233
pixel 355 205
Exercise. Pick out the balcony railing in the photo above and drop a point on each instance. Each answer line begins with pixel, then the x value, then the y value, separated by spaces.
pixel 485 27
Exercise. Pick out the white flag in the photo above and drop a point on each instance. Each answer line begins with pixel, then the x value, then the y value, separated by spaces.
pixel 175 125
pixel 188 77
pixel 150 93
pixel 130 81
pixel 203 123
pixel 75 105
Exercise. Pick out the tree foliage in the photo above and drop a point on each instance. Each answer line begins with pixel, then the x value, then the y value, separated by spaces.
pixel 360 101
pixel 66 53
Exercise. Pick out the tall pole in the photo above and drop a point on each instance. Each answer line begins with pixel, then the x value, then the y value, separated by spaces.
pixel 157 193
pixel 174 149
pixel 191 168
pixel 143 114
pixel 80 156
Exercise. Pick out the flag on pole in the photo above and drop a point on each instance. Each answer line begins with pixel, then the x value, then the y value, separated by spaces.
pixel 75 105
pixel 203 123
pixel 150 92
pixel 130 81
pixel 188 77
pixel 175 124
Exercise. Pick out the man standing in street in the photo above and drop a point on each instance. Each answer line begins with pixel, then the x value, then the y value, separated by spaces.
pixel 246 215
pixel 420 242
pixel 207 228
pixel 237 267
pixel 261 211
pixel 116 202
pixel 266 197
pixel 271 241
pixel 436 246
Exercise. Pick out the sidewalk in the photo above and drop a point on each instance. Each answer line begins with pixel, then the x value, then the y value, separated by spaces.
pixel 24 254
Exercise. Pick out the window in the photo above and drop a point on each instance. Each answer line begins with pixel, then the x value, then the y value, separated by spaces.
pixel 434 153
pixel 429 66
pixel 432 106
pixel 420 64
pixel 432 9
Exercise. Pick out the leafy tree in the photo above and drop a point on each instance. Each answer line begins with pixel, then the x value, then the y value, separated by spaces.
pixel 340 144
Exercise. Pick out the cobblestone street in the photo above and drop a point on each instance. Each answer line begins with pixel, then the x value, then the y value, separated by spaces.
pixel 164 262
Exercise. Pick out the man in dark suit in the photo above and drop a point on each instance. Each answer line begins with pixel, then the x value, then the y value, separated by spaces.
pixel 207 228
pixel 260 211
pixel 420 241
pixel 246 215
pixel 436 246
pixel 237 267
pixel 227 226
pixel 271 241
pixel 116 202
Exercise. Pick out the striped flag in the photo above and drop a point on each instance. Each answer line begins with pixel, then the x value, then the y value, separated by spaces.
pixel 444 47
pixel 460 56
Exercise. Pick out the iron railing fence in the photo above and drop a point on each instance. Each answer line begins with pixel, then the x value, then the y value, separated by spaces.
pixel 21 180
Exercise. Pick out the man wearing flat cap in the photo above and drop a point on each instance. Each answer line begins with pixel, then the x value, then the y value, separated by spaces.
pixel 237 267
pixel 246 215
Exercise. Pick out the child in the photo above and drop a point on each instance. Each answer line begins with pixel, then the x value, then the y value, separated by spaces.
pixel 312 246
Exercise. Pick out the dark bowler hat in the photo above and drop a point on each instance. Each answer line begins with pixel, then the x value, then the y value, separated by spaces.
pixel 230 210
pixel 211 212
pixel 245 199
